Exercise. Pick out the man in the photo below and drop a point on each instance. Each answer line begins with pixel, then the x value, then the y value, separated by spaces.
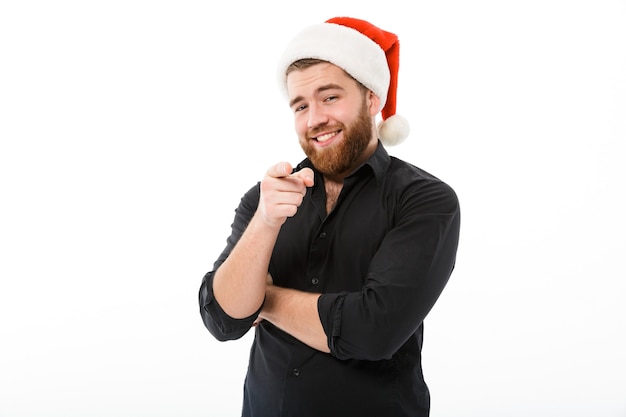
pixel 337 262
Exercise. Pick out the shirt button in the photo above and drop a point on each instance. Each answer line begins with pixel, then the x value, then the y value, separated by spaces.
pixel 315 281
pixel 322 235
pixel 296 371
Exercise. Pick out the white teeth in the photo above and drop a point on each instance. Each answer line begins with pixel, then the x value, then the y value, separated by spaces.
pixel 325 137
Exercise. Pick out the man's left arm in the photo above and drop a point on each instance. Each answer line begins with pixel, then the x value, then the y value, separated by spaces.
pixel 373 323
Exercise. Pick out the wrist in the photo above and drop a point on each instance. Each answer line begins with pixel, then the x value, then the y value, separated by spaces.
pixel 263 223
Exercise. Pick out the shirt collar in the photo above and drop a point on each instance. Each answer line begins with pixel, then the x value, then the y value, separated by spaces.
pixel 379 162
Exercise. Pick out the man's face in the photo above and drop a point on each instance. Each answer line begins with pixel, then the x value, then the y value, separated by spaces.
pixel 333 118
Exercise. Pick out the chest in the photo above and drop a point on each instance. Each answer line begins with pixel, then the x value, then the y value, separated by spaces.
pixel 333 190
pixel 319 250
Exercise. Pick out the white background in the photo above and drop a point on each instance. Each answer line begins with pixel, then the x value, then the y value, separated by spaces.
pixel 130 129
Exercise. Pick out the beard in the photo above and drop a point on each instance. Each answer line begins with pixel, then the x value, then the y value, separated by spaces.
pixel 341 157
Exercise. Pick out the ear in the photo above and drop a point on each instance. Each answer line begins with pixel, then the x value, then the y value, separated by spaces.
pixel 373 103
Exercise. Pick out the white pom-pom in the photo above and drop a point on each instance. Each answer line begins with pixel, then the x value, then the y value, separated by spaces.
pixel 393 130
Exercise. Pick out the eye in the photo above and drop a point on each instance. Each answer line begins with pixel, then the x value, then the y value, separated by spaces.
pixel 299 108
pixel 331 98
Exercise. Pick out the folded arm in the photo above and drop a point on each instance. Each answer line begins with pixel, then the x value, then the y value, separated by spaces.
pixel 295 312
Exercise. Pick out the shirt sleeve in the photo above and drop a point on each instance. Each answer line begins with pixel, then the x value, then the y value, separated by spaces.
pixel 405 278
pixel 221 325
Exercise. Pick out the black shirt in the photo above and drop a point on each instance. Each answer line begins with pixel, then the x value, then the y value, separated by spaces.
pixel 380 260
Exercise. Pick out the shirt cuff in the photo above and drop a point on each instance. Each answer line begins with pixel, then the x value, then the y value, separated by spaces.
pixel 219 323
pixel 330 308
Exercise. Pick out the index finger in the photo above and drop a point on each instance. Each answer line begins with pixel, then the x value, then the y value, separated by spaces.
pixel 307 176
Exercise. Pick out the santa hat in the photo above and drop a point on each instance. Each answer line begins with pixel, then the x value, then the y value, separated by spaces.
pixel 366 52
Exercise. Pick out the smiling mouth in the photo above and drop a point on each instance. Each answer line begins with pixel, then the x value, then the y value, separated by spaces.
pixel 326 136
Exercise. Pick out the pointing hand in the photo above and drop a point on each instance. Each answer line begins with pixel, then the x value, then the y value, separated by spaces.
pixel 282 192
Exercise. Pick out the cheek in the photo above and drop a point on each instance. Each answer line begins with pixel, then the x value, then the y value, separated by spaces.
pixel 300 124
pixel 348 112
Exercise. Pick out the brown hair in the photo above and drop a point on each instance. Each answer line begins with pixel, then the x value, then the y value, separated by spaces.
pixel 305 63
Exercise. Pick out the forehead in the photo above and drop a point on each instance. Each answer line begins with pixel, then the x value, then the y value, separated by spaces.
pixel 311 78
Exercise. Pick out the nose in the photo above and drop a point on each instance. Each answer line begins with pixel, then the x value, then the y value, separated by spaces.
pixel 317 116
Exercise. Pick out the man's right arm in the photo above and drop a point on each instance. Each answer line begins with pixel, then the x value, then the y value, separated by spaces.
pixel 240 282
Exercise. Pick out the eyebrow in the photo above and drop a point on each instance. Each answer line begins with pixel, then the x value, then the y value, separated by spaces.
pixel 320 89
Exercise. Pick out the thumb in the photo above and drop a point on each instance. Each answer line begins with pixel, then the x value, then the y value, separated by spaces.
pixel 280 170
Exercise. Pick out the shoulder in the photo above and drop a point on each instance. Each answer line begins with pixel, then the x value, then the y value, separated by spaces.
pixel 250 200
pixel 412 183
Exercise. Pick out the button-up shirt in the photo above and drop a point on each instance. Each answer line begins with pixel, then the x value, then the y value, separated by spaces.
pixel 380 259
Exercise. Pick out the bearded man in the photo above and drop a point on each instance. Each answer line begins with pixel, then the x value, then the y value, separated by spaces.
pixel 336 263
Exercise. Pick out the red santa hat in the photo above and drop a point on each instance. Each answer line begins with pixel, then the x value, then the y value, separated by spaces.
pixel 366 52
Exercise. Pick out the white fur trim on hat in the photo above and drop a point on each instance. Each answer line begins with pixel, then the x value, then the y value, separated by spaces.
pixel 344 47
